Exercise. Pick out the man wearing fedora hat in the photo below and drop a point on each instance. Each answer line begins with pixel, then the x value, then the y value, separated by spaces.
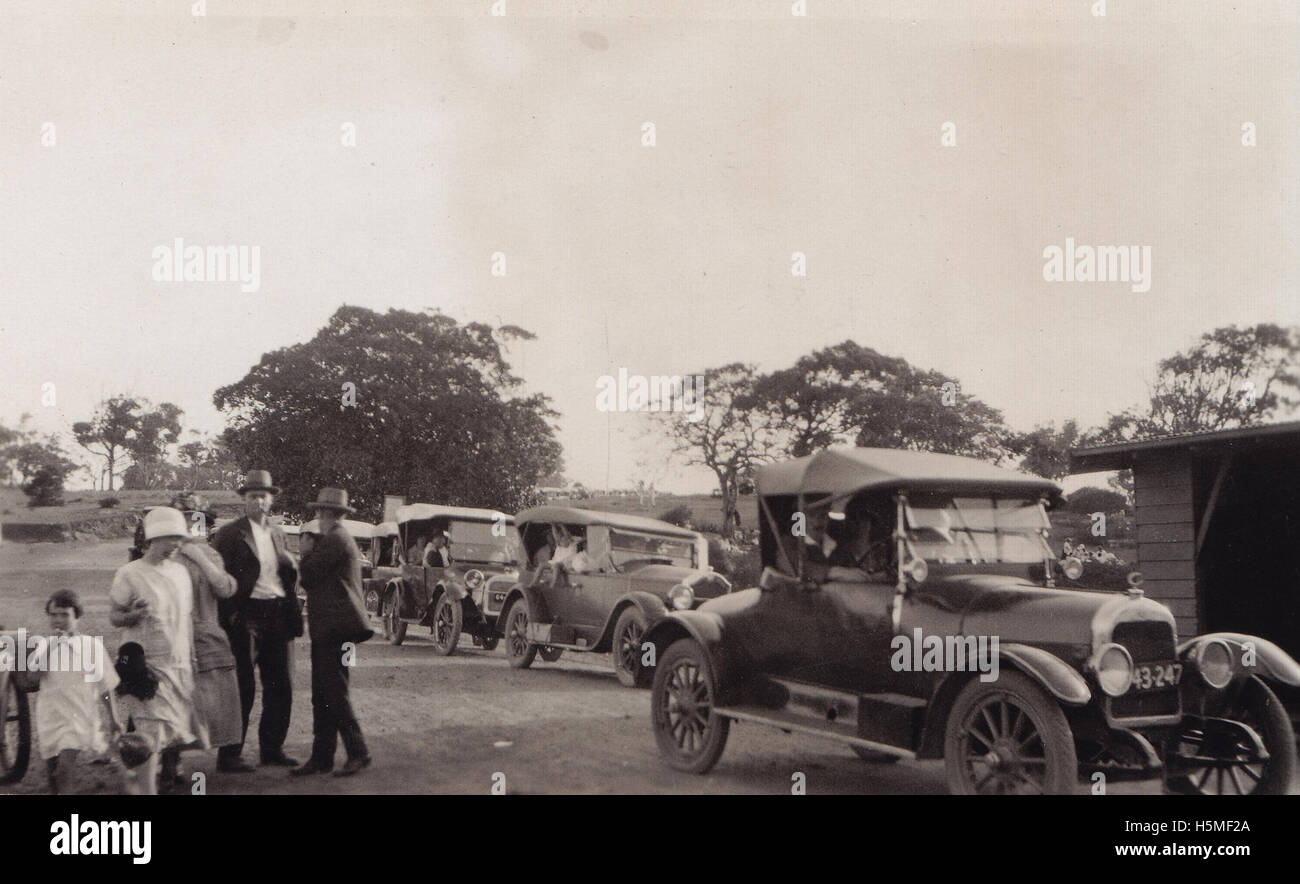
pixel 336 615
pixel 262 620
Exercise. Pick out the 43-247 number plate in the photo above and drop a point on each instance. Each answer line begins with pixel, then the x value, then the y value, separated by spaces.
pixel 1150 676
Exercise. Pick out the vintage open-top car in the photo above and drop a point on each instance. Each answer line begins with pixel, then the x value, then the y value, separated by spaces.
pixel 451 596
pixel 596 581
pixel 908 609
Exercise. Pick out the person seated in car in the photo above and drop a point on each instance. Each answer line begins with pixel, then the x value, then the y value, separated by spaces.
pixel 436 554
pixel 580 562
pixel 860 549
pixel 415 552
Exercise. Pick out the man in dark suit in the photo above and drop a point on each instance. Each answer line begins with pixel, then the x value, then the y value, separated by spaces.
pixel 336 615
pixel 262 620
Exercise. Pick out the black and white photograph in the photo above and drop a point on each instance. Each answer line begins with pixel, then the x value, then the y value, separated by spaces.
pixel 788 398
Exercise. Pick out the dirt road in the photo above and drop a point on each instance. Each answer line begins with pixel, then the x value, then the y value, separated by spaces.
pixel 459 725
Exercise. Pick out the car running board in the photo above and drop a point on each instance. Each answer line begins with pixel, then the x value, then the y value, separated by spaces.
pixel 884 722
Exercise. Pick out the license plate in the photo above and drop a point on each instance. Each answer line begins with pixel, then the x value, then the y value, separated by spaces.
pixel 1151 676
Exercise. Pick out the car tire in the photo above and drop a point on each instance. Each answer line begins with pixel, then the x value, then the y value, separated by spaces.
pixel 873 756
pixel 447 623
pixel 689 733
pixel 1008 735
pixel 550 654
pixel 519 651
pixel 1255 705
pixel 626 646
pixel 394 626
pixel 16 736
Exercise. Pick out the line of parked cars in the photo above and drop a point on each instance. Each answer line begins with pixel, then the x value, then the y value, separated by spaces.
pixel 864 552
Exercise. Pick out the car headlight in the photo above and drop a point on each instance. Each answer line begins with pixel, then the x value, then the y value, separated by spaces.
pixel 682 597
pixel 473 578
pixel 1214 661
pixel 1114 670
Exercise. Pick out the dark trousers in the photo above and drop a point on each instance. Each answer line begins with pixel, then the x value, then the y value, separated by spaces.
pixel 332 715
pixel 258 639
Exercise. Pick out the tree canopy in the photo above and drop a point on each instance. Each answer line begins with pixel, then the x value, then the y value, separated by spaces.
pixel 393 403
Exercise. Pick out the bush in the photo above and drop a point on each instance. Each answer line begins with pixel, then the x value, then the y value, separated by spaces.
pixel 1096 500
pixel 108 502
pixel 45 487
pixel 679 515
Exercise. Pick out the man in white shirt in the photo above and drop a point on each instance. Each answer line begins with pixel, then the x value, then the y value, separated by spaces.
pixel 262 620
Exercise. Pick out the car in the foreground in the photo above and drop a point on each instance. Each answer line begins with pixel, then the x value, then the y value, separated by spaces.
pixel 596 581
pixel 454 598
pixel 908 609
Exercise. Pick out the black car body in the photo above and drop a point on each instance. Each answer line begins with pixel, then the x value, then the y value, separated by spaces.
pixel 938 553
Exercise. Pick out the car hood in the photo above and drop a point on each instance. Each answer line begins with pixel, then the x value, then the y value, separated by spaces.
pixel 1016 609
pixel 706 584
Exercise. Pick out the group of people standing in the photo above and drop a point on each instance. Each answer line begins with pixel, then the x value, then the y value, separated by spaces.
pixel 200 621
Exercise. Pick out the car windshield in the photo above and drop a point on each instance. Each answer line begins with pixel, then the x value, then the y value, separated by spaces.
pixel 476 542
pixel 629 546
pixel 945 528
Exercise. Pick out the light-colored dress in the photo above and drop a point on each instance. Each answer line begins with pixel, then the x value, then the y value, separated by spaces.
pixel 167 635
pixel 69 714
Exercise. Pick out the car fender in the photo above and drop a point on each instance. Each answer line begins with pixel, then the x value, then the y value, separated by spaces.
pixel 457 591
pixel 649 604
pixel 1053 674
pixel 1271 662
pixel 708 630
pixel 1061 680
pixel 537 610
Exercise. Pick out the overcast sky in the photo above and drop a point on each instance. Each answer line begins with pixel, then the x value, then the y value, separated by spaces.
pixel 523 134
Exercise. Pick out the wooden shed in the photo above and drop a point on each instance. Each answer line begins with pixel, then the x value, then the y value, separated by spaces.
pixel 1218 526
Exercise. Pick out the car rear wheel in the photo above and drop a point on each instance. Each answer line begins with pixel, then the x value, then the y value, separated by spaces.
pixel 628 632
pixel 519 650
pixel 690 733
pixel 1009 738
pixel 394 627
pixel 550 654
pixel 1222 764
pixel 447 624
pixel 16 734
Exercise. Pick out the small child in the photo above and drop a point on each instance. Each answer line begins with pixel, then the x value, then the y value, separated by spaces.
pixel 69 708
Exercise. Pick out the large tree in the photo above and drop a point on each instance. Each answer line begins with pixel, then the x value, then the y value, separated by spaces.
pixel 850 394
pixel 731 438
pixel 394 403
pixel 1230 378
pixel 126 430
pixel 1046 450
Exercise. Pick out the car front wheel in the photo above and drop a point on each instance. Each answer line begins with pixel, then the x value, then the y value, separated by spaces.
pixel 519 650
pixel 447 625
pixel 16 733
pixel 1009 737
pixel 1222 762
pixel 690 733
pixel 628 631
pixel 394 626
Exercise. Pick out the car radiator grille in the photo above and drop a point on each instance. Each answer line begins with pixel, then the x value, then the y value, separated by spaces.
pixel 1147 641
